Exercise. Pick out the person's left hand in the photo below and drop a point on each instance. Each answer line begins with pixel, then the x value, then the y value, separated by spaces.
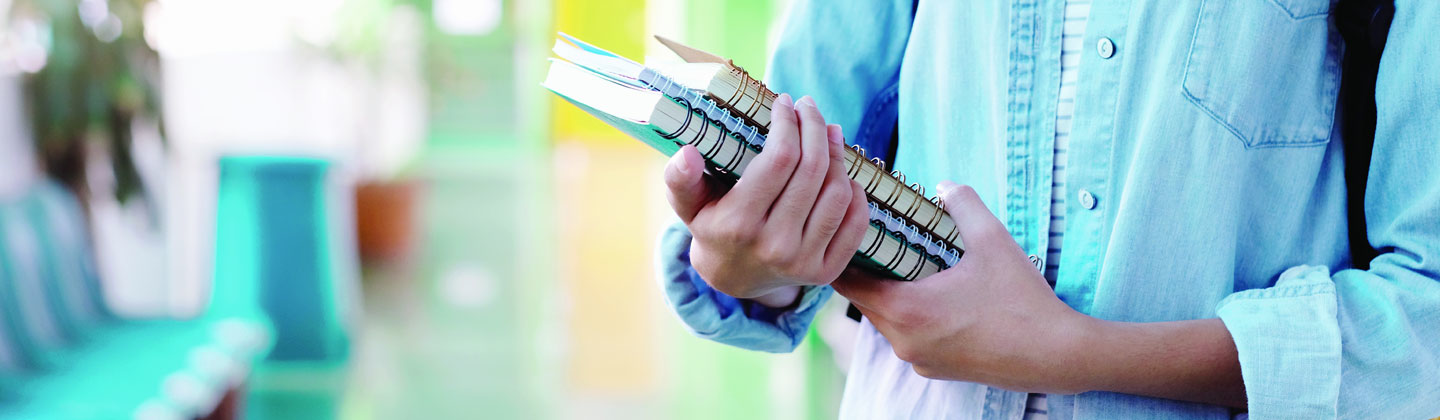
pixel 990 319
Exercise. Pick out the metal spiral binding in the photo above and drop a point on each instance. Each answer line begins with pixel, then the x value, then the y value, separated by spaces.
pixel 899 176
pixel 745 82
pixel 683 126
pixel 942 254
pixel 714 150
pixel 707 107
pixel 725 120
pixel 913 209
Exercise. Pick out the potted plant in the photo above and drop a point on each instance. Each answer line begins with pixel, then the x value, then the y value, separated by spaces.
pixel 380 40
pixel 91 77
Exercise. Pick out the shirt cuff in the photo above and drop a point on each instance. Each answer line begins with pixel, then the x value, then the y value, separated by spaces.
pixel 1288 340
pixel 709 314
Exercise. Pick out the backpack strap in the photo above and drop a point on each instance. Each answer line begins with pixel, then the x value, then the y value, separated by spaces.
pixel 1365 25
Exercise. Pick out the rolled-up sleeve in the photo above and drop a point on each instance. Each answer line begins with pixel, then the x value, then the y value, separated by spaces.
pixel 713 315
pixel 1364 343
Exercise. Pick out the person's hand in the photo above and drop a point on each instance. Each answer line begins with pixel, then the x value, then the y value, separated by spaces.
pixel 793 219
pixel 990 319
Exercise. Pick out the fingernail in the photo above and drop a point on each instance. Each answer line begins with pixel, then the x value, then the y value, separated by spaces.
pixel 806 101
pixel 684 164
pixel 944 187
pixel 782 105
pixel 836 135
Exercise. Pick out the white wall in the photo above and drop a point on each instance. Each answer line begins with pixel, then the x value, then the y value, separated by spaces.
pixel 270 92
pixel 17 164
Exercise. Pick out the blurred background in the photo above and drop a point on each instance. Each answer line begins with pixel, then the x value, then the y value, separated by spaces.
pixel 357 209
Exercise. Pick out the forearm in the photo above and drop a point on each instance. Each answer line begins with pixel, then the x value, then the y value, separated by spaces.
pixel 1182 360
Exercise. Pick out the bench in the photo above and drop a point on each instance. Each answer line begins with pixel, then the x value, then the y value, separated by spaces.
pixel 65 355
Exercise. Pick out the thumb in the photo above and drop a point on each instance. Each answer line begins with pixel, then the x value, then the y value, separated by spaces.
pixel 971 216
pixel 685 184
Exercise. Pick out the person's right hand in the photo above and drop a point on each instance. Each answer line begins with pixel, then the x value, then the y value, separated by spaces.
pixel 793 219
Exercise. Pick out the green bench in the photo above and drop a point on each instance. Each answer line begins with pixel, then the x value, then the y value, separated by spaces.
pixel 65 355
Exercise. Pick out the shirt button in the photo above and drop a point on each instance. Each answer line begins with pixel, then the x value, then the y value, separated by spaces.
pixel 1087 200
pixel 1105 47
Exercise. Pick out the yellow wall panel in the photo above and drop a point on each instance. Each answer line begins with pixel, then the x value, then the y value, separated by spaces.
pixel 615 25
pixel 605 246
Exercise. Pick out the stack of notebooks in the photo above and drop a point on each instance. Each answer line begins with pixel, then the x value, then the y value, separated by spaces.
pixel 716 106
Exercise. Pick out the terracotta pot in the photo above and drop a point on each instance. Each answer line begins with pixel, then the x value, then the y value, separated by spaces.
pixel 385 219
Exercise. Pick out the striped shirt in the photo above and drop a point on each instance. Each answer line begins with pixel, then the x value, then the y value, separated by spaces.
pixel 1077 13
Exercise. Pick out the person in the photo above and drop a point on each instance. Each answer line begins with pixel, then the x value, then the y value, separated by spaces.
pixel 1174 166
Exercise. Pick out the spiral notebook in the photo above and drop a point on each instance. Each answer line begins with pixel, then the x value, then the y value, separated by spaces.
pixel 731 87
pixel 663 112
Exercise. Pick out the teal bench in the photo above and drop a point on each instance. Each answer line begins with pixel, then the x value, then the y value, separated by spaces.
pixel 65 355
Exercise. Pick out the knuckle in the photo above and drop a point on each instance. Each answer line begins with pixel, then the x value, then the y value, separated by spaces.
pixel 729 234
pixel 782 115
pixel 783 157
pixel 737 234
pixel 812 167
pixel 778 254
pixel 828 221
pixel 811 115
pixel 845 190
pixel 830 224
pixel 838 196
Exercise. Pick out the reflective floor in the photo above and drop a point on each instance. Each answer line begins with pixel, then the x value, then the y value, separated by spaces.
pixel 498 313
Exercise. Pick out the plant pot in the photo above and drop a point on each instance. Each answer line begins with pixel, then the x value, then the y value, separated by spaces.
pixel 385 219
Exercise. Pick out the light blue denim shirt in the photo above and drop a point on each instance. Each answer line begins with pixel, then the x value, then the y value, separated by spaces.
pixel 1206 137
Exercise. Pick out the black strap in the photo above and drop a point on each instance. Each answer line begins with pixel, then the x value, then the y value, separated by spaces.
pixel 1365 25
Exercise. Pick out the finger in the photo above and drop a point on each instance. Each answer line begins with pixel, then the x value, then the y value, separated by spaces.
pixel 795 202
pixel 870 292
pixel 852 228
pixel 971 216
pixel 837 137
pixel 753 196
pixel 836 196
pixel 685 184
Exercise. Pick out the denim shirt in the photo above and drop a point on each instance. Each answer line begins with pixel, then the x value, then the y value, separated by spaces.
pixel 1207 143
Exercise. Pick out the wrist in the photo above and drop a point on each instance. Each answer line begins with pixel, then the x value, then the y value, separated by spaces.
pixel 783 297
pixel 1084 354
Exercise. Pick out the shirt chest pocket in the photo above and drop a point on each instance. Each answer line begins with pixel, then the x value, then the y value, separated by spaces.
pixel 1266 70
